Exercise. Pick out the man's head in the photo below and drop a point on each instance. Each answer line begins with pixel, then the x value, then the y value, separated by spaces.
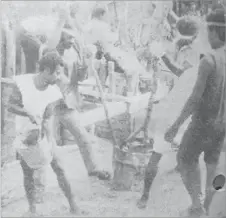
pixel 74 8
pixel 216 28
pixel 187 26
pixel 100 13
pixel 188 30
pixel 67 38
pixel 51 66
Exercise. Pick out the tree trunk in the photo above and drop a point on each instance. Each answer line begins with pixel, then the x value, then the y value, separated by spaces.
pixel 8 120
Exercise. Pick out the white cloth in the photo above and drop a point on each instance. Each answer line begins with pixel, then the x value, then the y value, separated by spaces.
pixel 97 30
pixel 35 102
pixel 40 25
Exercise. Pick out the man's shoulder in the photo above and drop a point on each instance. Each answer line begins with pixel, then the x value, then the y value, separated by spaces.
pixel 208 60
pixel 23 77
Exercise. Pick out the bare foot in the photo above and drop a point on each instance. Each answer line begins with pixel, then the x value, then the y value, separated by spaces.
pixel 102 175
pixel 194 212
pixel 142 203
pixel 78 212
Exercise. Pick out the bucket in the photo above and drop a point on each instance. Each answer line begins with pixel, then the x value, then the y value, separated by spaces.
pixel 129 163
pixel 217 207
pixel 125 167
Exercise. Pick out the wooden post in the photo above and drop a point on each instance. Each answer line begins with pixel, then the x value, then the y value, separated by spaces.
pixel 10 50
pixel 112 79
pixel 8 133
pixel 102 73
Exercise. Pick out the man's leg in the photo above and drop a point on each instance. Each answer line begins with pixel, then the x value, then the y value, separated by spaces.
pixel 29 185
pixel 211 158
pixel 39 177
pixel 150 174
pixel 209 190
pixel 70 120
pixel 63 182
pixel 188 165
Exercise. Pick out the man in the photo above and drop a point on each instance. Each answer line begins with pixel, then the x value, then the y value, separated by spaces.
pixel 68 116
pixel 180 56
pixel 98 30
pixel 32 95
pixel 206 105
pixel 178 70
pixel 36 33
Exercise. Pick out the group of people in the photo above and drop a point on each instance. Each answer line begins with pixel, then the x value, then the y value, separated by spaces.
pixel 40 101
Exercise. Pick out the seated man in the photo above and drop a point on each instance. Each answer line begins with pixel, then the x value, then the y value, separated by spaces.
pixel 98 29
pixel 98 32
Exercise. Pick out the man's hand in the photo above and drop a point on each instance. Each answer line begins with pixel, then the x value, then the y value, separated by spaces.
pixel 171 133
pixel 157 49
pixel 34 119
pixel 186 65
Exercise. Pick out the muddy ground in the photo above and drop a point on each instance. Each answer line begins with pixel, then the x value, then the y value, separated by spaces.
pixel 168 196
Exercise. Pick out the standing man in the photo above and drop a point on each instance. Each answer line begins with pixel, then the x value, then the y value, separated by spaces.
pixel 68 116
pixel 32 95
pixel 177 69
pixel 206 105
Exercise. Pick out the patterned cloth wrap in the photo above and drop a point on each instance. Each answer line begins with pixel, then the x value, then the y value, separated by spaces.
pixel 32 147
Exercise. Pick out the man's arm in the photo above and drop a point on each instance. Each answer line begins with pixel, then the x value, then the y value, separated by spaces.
pixel 206 67
pixel 175 68
pixel 15 104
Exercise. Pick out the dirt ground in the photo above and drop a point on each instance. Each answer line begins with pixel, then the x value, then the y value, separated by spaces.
pixel 168 196
pixel 96 198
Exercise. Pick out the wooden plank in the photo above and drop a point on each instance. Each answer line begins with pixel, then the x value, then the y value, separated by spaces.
pixel 115 108
pixel 107 96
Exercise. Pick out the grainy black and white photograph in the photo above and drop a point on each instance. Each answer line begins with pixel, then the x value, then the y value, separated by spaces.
pixel 113 108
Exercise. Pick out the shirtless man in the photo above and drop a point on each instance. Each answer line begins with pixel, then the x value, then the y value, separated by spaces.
pixel 178 70
pixel 206 105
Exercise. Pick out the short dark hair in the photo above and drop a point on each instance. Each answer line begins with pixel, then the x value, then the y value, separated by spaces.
pixel 51 59
pixel 217 16
pixel 98 12
pixel 187 26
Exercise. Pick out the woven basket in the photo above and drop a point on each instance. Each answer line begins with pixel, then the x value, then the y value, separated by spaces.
pixel 121 127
